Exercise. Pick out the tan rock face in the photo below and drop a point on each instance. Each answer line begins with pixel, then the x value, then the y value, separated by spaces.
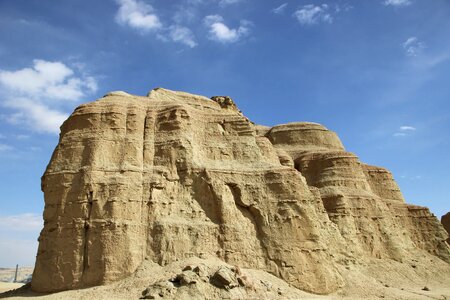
pixel 173 175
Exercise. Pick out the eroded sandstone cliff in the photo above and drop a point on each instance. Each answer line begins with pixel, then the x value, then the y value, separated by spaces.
pixel 173 175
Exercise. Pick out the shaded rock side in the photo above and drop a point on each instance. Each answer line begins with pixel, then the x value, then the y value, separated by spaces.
pixel 174 175
pixel 445 220
pixel 363 201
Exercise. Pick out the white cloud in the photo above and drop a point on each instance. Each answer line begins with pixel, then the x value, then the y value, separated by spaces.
pixel 407 128
pixel 24 222
pixel 311 14
pixel 52 80
pixel 37 116
pixel 413 46
pixel 138 15
pixel 182 35
pixel 141 16
pixel 280 9
pixel 220 32
pixel 397 2
pixel 35 95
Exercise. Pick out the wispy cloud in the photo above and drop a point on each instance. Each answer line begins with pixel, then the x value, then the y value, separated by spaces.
pixel 313 14
pixel 22 222
pixel 38 116
pixel 36 94
pixel 398 134
pixel 220 32
pixel 185 12
pixel 397 2
pixel 409 177
pixel 404 130
pixel 413 47
pixel 137 14
pixel 280 9
pixel 182 35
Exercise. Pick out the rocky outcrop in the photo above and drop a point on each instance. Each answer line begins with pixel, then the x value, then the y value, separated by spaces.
pixel 173 175
pixel 445 220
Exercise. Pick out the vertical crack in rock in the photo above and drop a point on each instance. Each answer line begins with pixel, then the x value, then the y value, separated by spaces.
pixel 87 225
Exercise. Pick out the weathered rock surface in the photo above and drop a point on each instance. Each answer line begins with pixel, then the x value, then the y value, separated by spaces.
pixel 445 220
pixel 173 175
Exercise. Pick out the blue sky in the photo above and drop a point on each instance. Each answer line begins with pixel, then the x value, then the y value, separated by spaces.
pixel 375 71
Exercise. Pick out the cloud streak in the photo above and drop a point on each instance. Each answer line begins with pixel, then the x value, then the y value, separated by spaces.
pixel 280 9
pixel 404 130
pixel 23 222
pixel 407 128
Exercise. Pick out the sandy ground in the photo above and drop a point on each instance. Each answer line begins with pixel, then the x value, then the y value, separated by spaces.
pixel 7 274
pixel 377 279
pixel 7 286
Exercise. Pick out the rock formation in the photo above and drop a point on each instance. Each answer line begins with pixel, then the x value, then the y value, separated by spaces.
pixel 172 176
pixel 445 220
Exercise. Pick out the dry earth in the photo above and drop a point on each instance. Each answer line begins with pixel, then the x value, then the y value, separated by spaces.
pixel 373 280
pixel 23 274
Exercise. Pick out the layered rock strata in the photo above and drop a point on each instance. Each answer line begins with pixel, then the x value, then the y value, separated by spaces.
pixel 174 175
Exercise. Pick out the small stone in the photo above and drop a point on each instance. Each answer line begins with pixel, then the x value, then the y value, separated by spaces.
pixel 187 277
pixel 159 289
pixel 189 268
pixel 224 278
pixel 202 271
